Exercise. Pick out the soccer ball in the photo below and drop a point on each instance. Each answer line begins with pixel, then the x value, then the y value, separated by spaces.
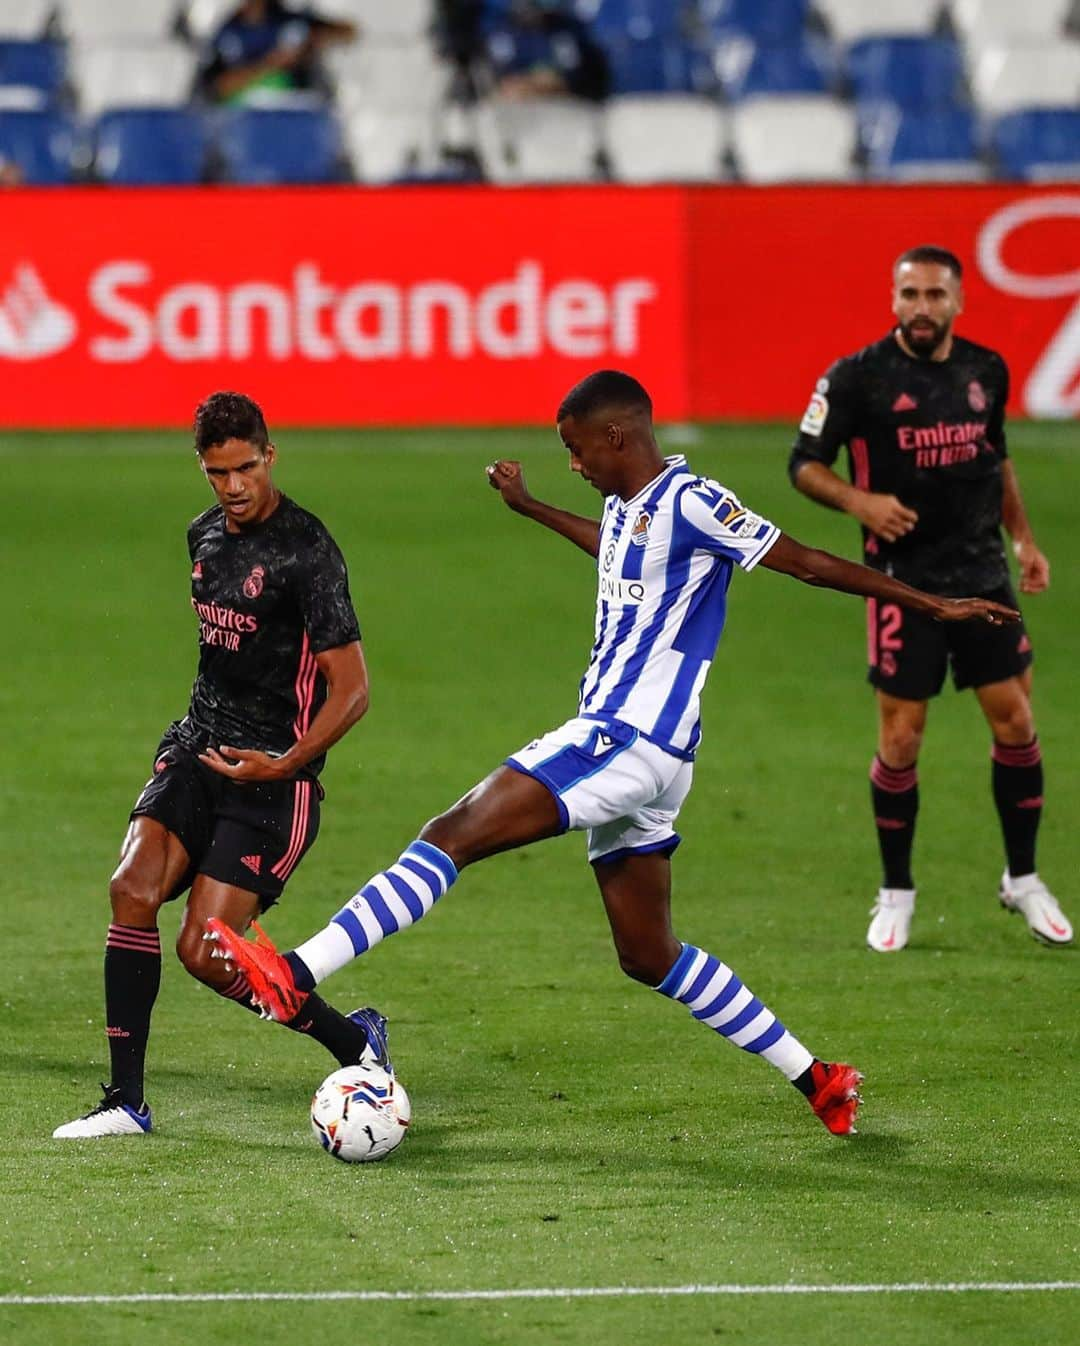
pixel 360 1113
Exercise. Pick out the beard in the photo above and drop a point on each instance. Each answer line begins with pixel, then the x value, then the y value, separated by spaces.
pixel 924 342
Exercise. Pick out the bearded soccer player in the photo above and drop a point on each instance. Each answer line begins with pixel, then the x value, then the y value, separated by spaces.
pixel 922 413
pixel 666 547
pixel 233 802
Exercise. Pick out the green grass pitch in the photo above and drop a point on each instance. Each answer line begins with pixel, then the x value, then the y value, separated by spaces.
pixel 571 1129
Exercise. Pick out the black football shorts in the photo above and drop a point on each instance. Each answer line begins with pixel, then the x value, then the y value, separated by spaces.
pixel 251 835
pixel 910 653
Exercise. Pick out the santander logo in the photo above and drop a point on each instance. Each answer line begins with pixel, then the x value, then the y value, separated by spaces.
pixel 1052 387
pixel 32 323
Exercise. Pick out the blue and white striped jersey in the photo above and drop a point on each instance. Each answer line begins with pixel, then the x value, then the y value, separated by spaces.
pixel 665 563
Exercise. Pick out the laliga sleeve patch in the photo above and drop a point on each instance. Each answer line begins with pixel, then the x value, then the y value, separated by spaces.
pixel 813 421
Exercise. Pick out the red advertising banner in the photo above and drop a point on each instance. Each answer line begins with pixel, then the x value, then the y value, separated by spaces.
pixel 483 305
pixel 337 307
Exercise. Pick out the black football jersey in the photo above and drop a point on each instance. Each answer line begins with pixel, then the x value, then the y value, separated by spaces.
pixel 932 433
pixel 267 600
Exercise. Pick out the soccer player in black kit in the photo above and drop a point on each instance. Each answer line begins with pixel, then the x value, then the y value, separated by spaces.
pixel 233 802
pixel 922 415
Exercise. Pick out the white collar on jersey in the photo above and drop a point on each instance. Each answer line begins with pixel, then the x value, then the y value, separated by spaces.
pixel 671 461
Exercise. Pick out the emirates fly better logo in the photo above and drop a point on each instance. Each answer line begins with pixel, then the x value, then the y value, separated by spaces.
pixel 32 324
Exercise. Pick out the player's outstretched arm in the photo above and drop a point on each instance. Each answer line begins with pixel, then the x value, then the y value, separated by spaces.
pixel 508 479
pixel 822 568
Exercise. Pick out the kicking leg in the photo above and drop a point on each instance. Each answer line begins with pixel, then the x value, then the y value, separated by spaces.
pixel 347 1039
pixel 637 897
pixel 506 810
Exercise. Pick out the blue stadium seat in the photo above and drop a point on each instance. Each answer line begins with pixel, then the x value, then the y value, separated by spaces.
pixel 33 65
pixel 780 69
pixel 151 145
pixel 764 20
pixel 911 71
pixel 914 144
pixel 1039 144
pixel 639 20
pixel 40 143
pixel 280 145
pixel 650 66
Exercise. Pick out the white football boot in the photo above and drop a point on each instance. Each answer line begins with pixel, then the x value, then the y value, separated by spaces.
pixel 1039 907
pixel 111 1117
pixel 892 913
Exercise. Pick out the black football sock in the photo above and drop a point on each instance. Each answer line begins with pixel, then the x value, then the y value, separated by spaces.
pixel 805 1082
pixel 1017 777
pixel 238 991
pixel 300 971
pixel 132 979
pixel 342 1038
pixel 895 796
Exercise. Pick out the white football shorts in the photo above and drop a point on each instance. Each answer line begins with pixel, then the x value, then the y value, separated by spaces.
pixel 612 783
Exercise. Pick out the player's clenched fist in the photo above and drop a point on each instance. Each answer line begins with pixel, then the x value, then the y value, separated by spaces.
pixel 508 479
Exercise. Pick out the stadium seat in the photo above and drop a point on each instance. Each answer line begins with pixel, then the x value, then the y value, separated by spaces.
pixel 538 140
pixel 809 138
pixel 996 23
pixel 386 144
pixel 159 74
pixel 201 18
pixel 801 69
pixel 35 68
pixel 652 66
pixel 382 19
pixel 1039 144
pixel 99 20
pixel 1046 74
pixel 908 145
pixel 24 19
pixel 40 143
pixel 664 138
pixel 850 20
pixel 151 145
pixel 387 75
pixel 910 71
pixel 639 20
pixel 279 145
pixel 762 20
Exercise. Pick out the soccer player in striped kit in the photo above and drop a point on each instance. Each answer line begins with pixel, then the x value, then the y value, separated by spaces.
pixel 666 549
pixel 922 412
pixel 232 805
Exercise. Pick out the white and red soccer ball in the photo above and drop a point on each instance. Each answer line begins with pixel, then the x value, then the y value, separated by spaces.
pixel 360 1113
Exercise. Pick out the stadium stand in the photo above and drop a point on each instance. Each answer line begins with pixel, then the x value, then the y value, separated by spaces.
pixel 277 145
pixel 758 90
pixel 162 146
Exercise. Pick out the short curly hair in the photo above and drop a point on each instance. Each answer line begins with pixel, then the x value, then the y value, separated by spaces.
pixel 224 416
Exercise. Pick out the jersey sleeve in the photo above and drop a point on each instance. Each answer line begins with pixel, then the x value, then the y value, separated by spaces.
pixel 829 419
pixel 718 522
pixel 325 602
pixel 995 427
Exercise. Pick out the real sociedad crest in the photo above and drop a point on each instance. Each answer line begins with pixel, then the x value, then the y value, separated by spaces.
pixel 639 534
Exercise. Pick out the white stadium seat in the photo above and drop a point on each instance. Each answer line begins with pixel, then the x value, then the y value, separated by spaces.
pixel 25 19
pixel 389 75
pixel 389 143
pixel 382 19
pixel 850 20
pixel 109 75
pixel 538 139
pixel 996 23
pixel 98 20
pixel 1046 74
pixel 804 138
pixel 664 138
pixel 204 17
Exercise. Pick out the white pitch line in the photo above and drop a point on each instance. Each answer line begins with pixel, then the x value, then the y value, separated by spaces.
pixel 547 1292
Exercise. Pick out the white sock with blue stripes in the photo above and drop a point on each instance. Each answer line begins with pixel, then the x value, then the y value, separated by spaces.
pixel 716 996
pixel 389 902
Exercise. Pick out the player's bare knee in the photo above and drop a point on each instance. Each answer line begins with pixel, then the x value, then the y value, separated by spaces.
pixel 194 952
pixel 133 900
pixel 446 832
